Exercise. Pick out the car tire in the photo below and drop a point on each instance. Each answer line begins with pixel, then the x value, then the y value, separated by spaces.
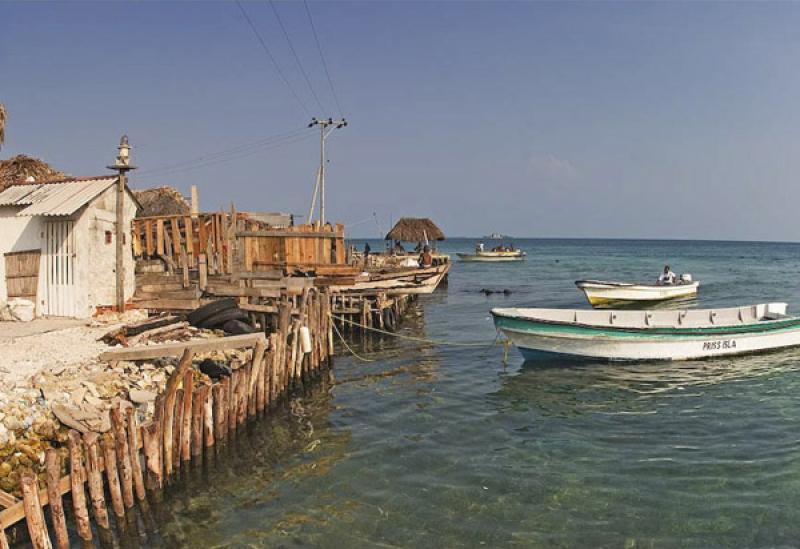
pixel 199 315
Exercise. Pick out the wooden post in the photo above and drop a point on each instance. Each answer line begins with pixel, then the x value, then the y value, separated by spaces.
pixel 195 201
pixel 37 527
pixel 177 429
pixel 203 270
pixel 133 446
pixel 198 409
pixel 232 402
pixel 152 444
pixel 123 455
pixel 77 477
pixel 241 397
pixel 112 475
pixel 3 539
pixel 208 417
pixel 255 374
pixel 186 429
pixel 220 403
pixel 53 465
pixel 95 481
pixel 165 409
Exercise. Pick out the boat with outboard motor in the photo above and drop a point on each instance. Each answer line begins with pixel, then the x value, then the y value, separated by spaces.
pixel 678 334
pixel 602 293
pixel 498 253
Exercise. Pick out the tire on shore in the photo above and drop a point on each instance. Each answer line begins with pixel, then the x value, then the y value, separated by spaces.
pixel 199 315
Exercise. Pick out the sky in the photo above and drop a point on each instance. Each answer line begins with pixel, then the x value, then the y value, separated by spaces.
pixel 568 119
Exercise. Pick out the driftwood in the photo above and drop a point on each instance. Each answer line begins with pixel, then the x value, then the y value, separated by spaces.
pixel 121 334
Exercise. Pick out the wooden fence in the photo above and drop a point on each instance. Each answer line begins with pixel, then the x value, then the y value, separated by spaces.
pixel 190 420
pixel 224 243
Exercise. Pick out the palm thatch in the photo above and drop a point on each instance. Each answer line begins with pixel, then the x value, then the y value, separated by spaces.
pixel 19 168
pixel 3 117
pixel 161 201
pixel 415 229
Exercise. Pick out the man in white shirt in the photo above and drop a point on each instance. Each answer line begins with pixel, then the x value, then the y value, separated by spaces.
pixel 667 277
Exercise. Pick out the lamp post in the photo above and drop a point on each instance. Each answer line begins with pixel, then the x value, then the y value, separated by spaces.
pixel 122 166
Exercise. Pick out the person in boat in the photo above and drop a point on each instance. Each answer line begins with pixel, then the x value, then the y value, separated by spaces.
pixel 667 277
pixel 426 258
pixel 479 247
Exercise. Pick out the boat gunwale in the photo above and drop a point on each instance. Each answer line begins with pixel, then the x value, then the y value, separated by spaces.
pixel 609 284
pixel 751 328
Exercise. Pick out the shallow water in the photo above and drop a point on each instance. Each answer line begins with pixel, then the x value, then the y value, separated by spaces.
pixel 431 445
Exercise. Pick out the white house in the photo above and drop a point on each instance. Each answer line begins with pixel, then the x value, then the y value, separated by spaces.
pixel 57 244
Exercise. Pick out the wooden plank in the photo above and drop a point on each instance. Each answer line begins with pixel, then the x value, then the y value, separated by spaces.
pixel 287 234
pixel 168 304
pixel 160 237
pixel 136 238
pixel 7 500
pixel 176 349
pixel 148 238
pixel 225 290
pixel 177 245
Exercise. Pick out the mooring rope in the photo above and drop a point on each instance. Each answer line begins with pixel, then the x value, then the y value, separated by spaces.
pixel 417 339
pixel 341 337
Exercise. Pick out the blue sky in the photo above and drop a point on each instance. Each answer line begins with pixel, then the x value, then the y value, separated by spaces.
pixel 631 120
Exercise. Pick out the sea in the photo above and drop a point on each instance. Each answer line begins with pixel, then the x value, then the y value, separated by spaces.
pixel 420 442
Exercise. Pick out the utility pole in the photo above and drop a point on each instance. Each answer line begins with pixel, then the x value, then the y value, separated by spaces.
pixel 122 166
pixel 325 129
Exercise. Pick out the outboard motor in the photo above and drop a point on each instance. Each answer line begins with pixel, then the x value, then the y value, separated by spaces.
pixel 686 278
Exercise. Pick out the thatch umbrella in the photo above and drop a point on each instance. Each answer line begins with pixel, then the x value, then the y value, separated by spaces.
pixel 19 168
pixel 161 201
pixel 3 116
pixel 415 229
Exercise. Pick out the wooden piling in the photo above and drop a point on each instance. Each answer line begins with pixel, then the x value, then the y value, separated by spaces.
pixel 37 528
pixel 53 467
pixel 112 475
pixel 186 426
pixel 208 417
pixel 133 447
pixel 123 455
pixel 198 410
pixel 77 477
pixel 95 481
pixel 232 402
pixel 220 391
pixel 3 539
pixel 152 445
pixel 177 429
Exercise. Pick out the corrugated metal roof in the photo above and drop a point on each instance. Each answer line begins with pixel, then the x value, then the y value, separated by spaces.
pixel 16 195
pixel 65 198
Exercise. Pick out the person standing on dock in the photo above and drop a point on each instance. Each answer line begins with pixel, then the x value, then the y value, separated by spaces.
pixel 367 250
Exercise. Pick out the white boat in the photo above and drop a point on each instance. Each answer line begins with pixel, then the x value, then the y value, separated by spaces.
pixel 403 281
pixel 493 255
pixel 604 293
pixel 648 335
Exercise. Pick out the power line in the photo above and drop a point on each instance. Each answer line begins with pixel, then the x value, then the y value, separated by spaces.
pixel 272 58
pixel 296 57
pixel 322 57
pixel 189 165
pixel 230 151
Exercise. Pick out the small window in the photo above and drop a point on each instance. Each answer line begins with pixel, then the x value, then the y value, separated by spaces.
pixel 108 237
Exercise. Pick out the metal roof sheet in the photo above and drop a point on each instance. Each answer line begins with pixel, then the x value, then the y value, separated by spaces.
pixel 16 195
pixel 64 198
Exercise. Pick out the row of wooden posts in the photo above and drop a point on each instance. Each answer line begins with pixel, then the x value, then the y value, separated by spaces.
pixel 190 420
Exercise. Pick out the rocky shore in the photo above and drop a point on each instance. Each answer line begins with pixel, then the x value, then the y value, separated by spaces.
pixel 53 381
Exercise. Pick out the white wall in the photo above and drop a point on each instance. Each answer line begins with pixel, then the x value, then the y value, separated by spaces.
pixel 99 217
pixel 17 234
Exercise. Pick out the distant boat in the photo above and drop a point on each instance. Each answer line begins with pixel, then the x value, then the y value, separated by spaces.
pixel 515 255
pixel 498 253
pixel 495 236
pixel 601 293
pixel 649 335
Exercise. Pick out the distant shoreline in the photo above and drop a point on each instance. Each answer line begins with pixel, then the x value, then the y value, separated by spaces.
pixel 605 239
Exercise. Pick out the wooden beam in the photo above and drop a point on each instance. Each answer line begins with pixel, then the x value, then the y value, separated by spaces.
pixel 176 349
pixel 289 234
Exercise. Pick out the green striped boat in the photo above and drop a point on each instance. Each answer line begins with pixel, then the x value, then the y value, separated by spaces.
pixel 648 335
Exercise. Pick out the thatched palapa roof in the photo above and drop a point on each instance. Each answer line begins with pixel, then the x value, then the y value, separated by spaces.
pixel 17 169
pixel 415 229
pixel 161 201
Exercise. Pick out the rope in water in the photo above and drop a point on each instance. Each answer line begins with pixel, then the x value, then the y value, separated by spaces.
pixel 352 352
pixel 418 339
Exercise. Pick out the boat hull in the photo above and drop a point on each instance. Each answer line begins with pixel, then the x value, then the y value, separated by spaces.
pixel 600 293
pixel 492 256
pixel 403 282
pixel 541 339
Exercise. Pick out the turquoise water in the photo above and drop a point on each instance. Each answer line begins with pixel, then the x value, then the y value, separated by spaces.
pixel 433 446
